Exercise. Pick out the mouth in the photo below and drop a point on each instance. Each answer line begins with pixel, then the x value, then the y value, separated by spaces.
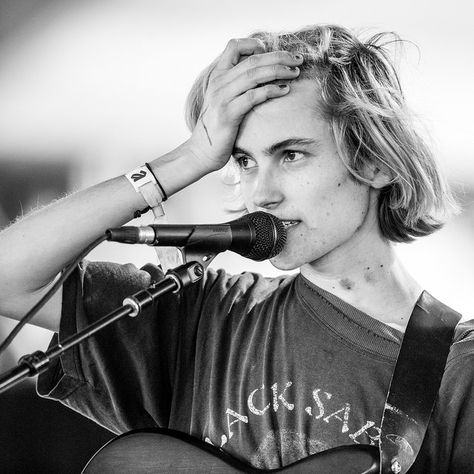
pixel 289 224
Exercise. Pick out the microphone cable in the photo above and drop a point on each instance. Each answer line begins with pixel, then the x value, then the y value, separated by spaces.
pixel 67 270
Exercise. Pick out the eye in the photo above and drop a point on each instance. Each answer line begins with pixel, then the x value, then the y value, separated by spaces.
pixel 244 162
pixel 292 155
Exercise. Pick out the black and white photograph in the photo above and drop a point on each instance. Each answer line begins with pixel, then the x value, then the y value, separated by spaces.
pixel 236 237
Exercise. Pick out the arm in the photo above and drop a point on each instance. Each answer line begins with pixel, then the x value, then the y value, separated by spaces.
pixel 34 250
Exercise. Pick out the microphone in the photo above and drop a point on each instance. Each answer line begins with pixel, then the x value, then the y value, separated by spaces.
pixel 257 236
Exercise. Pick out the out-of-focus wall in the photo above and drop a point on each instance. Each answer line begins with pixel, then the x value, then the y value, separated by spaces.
pixel 96 87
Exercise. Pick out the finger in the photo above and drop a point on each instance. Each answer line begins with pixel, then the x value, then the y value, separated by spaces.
pixel 238 47
pixel 267 59
pixel 253 97
pixel 251 78
pixel 250 63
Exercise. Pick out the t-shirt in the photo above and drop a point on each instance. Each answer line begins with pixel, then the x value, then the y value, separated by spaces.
pixel 269 369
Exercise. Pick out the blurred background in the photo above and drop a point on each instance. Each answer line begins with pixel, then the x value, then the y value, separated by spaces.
pixel 91 89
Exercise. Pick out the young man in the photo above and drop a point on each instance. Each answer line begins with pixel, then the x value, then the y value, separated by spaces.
pixel 271 370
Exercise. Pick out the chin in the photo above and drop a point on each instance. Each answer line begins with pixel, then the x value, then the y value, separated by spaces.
pixel 285 263
pixel 293 259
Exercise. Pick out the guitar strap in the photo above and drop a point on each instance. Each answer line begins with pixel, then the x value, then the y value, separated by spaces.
pixel 415 383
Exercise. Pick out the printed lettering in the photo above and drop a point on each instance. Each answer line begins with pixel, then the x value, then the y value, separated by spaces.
pixel 238 417
pixel 251 405
pixel 345 419
pixel 319 403
pixel 258 404
pixel 369 425
pixel 280 397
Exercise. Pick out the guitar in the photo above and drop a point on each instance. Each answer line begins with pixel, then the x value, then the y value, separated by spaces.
pixel 167 451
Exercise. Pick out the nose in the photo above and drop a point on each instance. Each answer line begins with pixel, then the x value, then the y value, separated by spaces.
pixel 266 189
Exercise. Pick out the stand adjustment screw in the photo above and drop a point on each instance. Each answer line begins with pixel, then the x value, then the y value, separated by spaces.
pixel 198 271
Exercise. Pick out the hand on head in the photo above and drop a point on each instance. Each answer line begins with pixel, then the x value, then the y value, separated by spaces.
pixel 243 76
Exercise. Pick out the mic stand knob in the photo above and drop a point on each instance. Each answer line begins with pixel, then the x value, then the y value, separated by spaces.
pixel 178 277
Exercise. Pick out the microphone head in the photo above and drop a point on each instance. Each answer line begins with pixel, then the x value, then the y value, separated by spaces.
pixel 270 235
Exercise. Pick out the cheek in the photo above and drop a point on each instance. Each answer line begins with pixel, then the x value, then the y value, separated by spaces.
pixel 344 202
pixel 243 191
pixel 351 201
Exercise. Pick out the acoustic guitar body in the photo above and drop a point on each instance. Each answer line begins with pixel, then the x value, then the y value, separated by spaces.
pixel 168 451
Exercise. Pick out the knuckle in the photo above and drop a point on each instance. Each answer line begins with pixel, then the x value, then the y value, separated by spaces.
pixel 251 96
pixel 213 73
pixel 233 44
pixel 274 71
pixel 251 73
pixel 252 61
pixel 219 99
pixel 260 44
pixel 269 90
pixel 214 82
pixel 232 112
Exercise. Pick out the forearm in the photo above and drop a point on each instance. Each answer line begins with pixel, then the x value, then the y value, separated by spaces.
pixel 36 248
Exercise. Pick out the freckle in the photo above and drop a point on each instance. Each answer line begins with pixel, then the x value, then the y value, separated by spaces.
pixel 381 266
pixel 368 268
pixel 338 185
pixel 347 283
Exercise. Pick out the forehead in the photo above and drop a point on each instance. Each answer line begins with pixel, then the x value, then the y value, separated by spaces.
pixel 297 114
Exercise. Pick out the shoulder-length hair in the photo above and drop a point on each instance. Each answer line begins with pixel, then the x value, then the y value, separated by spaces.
pixel 362 100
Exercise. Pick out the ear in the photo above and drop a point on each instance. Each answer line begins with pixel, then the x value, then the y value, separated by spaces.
pixel 377 177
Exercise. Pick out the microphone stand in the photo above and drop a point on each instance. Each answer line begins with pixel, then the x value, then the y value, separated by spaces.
pixel 33 364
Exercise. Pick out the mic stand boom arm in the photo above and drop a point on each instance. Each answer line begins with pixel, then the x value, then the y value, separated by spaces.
pixel 33 364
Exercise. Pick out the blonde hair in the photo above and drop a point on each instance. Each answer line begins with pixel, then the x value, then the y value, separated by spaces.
pixel 361 99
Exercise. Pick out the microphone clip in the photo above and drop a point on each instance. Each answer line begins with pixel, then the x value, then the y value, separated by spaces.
pixel 190 254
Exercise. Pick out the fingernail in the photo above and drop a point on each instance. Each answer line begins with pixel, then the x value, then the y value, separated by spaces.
pixel 283 86
pixel 298 57
pixel 292 68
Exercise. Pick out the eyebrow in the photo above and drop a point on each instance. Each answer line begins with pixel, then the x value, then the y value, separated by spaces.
pixel 276 147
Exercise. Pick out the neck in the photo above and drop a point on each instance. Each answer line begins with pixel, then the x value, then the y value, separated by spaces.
pixel 374 281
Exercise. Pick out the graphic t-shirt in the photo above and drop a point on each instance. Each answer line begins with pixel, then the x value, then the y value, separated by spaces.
pixel 271 370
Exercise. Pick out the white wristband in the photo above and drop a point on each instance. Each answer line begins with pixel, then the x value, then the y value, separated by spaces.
pixel 145 183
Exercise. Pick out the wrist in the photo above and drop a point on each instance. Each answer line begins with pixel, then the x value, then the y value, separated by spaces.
pixel 202 156
pixel 179 168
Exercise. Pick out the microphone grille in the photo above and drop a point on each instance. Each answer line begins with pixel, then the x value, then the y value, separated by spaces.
pixel 270 235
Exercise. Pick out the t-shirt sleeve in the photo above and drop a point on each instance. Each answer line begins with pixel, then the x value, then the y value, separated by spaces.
pixel 448 445
pixel 122 376
pixel 460 404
